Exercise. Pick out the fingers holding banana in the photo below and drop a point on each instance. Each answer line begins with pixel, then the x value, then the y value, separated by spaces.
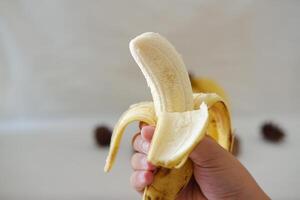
pixel 141 145
pixel 141 179
pixel 141 142
pixel 181 118
pixel 143 170
pixel 139 162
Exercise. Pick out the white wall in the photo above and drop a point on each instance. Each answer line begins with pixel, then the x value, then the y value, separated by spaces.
pixel 70 58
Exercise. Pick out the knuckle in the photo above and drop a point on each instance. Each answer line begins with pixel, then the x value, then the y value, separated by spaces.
pixel 137 142
pixel 135 182
pixel 138 161
pixel 134 160
pixel 145 146
pixel 141 145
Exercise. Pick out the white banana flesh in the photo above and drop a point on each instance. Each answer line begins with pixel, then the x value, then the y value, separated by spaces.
pixel 164 71
pixel 181 118
pixel 177 135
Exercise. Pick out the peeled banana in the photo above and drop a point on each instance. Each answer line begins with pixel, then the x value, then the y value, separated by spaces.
pixel 181 118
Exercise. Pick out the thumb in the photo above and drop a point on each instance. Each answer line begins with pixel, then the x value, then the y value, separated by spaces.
pixel 208 153
pixel 220 174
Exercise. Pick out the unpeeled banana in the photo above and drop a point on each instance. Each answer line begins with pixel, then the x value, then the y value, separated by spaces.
pixel 181 118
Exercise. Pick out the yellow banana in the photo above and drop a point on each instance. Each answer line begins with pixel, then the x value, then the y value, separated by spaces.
pixel 206 85
pixel 181 117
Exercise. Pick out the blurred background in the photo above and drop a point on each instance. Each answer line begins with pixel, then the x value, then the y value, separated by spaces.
pixel 65 67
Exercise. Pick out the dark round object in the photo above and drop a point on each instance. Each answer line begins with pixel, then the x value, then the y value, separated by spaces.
pixel 102 135
pixel 272 132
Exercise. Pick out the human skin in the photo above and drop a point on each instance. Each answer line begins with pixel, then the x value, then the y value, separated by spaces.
pixel 217 173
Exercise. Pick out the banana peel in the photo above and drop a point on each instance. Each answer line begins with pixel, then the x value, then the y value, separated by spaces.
pixel 206 85
pixel 181 118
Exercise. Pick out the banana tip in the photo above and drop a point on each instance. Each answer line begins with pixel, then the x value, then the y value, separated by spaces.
pixel 107 168
pixel 135 42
